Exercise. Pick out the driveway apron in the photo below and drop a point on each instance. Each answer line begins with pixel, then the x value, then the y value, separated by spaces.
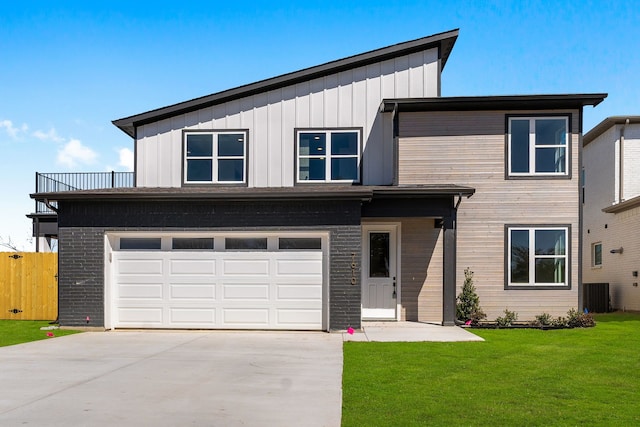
pixel 200 378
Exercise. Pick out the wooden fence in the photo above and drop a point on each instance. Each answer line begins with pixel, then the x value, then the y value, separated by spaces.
pixel 28 286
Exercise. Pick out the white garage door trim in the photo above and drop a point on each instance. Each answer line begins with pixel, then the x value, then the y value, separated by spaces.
pixel 217 289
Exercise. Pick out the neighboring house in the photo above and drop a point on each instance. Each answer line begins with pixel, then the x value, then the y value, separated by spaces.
pixel 611 209
pixel 328 196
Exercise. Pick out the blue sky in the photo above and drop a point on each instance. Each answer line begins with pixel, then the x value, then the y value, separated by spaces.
pixel 68 68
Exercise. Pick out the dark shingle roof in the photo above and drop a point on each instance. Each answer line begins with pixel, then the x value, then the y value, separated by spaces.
pixel 319 192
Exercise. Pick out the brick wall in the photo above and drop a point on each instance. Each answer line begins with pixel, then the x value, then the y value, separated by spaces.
pixel 83 224
pixel 81 276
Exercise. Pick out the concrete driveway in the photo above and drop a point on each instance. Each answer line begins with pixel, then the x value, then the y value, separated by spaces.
pixel 174 379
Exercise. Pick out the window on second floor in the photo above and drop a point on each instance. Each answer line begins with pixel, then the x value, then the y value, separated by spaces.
pixel 538 146
pixel 215 157
pixel 328 155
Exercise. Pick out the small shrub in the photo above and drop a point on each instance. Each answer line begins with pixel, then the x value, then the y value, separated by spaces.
pixel 576 319
pixel 543 319
pixel 509 318
pixel 560 321
pixel 468 303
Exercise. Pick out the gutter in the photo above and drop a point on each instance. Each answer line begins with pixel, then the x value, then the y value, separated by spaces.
pixel 161 196
pixel 623 206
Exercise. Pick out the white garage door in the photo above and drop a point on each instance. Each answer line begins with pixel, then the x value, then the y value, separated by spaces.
pixel 217 290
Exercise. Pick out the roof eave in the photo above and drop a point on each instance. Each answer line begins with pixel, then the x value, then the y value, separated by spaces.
pixel 607 123
pixel 445 41
pixel 623 206
pixel 240 196
pixel 422 192
pixel 363 193
pixel 499 102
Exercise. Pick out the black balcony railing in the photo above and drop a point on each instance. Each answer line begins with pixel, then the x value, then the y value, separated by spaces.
pixel 73 181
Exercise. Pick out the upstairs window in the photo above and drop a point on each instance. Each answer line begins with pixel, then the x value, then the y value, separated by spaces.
pixel 215 157
pixel 328 156
pixel 538 146
pixel 537 256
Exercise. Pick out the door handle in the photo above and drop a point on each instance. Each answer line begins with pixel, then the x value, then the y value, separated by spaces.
pixel 394 287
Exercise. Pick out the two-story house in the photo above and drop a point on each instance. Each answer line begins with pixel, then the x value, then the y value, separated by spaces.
pixel 344 192
pixel 611 206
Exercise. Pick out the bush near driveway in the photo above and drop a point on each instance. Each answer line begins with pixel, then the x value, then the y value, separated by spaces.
pixel 516 377
pixel 20 331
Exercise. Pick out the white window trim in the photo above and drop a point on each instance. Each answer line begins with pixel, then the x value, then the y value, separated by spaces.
pixel 328 157
pixel 533 147
pixel 532 257
pixel 593 255
pixel 214 157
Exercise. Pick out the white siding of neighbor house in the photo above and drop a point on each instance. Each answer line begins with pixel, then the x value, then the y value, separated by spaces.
pixel 623 230
pixel 613 230
pixel 347 99
pixel 600 190
pixel 468 148
pixel 631 148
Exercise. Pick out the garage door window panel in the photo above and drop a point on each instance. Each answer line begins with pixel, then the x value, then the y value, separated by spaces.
pixel 140 243
pixel 244 243
pixel 192 243
pixel 299 243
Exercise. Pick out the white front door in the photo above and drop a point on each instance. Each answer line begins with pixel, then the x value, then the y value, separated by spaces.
pixel 379 275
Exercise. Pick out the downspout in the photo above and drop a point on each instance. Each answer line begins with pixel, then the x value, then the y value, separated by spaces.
pixel 460 200
pixel 50 206
pixel 449 227
pixel 37 220
pixel 57 321
pixel 395 132
pixel 621 163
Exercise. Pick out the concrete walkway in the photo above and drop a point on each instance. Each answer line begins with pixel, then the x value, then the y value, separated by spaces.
pixel 173 379
pixel 409 332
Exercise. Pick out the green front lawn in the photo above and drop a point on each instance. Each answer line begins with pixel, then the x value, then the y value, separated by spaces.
pixel 19 331
pixel 517 377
